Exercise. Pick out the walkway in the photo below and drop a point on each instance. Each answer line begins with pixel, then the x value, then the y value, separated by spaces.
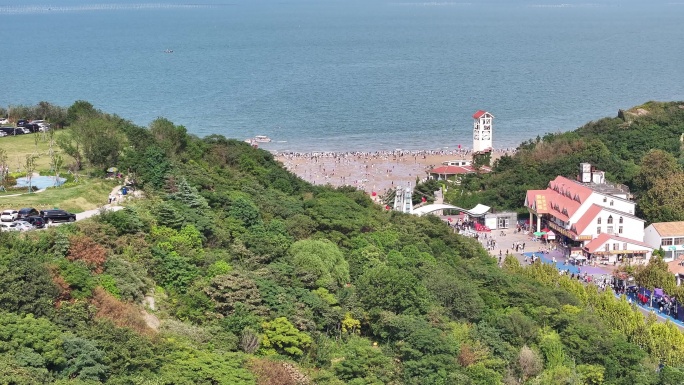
pixel 504 243
pixel 108 207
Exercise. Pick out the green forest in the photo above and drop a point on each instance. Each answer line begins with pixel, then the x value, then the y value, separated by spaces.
pixel 231 270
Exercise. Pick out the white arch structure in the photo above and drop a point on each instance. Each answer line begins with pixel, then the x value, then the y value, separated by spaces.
pixel 476 211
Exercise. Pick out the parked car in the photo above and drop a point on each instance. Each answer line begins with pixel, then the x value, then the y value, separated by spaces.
pixel 42 124
pixel 23 226
pixel 4 226
pixel 9 216
pixel 12 130
pixel 36 221
pixel 27 212
pixel 21 122
pixel 51 216
pixel 4 121
pixel 31 127
pixel 3 133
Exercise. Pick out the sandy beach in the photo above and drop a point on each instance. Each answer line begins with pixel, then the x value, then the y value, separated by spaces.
pixel 370 171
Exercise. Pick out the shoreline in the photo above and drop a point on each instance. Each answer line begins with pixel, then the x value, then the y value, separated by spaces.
pixel 373 171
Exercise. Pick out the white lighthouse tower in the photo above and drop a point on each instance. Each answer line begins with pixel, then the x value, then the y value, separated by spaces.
pixel 482 131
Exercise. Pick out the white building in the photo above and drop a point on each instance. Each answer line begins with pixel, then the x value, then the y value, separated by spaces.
pixel 669 236
pixel 583 211
pixel 482 131
pixel 610 248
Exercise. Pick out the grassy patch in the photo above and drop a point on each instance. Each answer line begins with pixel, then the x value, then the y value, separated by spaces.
pixel 17 147
pixel 88 194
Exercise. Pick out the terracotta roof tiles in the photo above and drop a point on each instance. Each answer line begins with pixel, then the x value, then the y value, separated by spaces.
pixel 479 114
pixel 595 244
pixel 669 229
pixel 457 170
pixel 588 217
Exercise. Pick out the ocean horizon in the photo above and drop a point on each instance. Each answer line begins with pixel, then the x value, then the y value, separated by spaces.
pixel 346 75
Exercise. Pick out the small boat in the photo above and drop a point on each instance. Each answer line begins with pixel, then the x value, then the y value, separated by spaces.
pixel 168 51
pixel 262 139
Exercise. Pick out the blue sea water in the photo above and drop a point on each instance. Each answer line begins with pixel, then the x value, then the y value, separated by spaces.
pixel 346 75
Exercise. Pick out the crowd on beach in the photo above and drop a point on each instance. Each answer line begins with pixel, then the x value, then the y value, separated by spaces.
pixel 372 171
pixel 382 154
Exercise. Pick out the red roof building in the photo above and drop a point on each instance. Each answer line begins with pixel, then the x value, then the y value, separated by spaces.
pixel 608 247
pixel 581 212
pixel 479 114
pixel 444 172
pixel 483 131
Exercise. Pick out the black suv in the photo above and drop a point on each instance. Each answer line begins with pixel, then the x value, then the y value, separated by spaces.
pixel 27 212
pixel 51 216
pixel 37 222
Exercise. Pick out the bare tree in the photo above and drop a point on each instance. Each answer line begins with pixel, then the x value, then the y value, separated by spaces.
pixel 56 163
pixel 4 168
pixel 36 140
pixel 530 363
pixel 30 168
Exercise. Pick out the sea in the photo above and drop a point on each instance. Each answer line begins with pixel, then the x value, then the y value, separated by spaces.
pixel 346 75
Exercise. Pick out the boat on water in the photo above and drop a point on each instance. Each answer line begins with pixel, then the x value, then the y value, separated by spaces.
pixel 168 51
pixel 262 139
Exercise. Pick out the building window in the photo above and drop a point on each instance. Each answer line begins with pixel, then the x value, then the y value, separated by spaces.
pixel 598 230
pixel 620 230
pixel 607 247
pixel 609 229
pixel 621 220
pixel 610 219
pixel 666 242
pixel 605 199
pixel 598 221
pixel 679 241
pixel 616 246
pixel 624 246
pixel 611 203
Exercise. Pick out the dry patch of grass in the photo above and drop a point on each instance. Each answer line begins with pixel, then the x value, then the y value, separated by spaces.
pixel 17 147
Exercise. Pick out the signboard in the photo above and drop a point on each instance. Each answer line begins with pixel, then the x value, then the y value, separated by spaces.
pixel 626 252
pixel 562 230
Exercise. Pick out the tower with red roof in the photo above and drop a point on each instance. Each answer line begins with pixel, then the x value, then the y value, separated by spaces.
pixel 482 131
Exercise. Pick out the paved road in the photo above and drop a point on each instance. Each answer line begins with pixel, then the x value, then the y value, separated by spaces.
pixel 92 213
pixel 108 207
pixel 505 243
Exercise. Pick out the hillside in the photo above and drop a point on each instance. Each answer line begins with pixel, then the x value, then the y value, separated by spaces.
pixel 232 270
pixel 641 148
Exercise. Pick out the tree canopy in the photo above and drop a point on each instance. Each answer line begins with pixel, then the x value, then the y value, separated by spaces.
pixel 232 270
